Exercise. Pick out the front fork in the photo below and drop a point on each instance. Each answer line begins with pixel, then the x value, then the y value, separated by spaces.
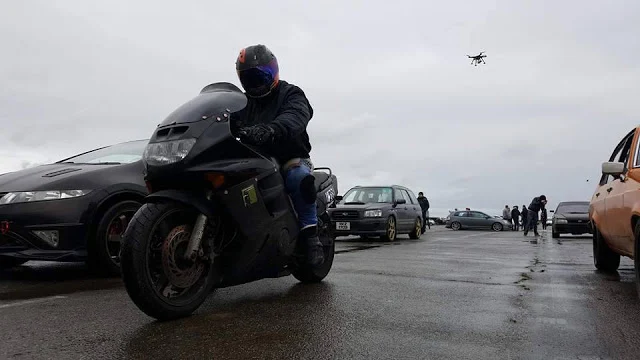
pixel 195 240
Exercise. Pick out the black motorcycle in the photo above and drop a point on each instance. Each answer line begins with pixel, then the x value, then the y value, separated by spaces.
pixel 217 214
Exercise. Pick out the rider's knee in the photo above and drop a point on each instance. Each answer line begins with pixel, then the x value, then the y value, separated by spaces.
pixel 308 189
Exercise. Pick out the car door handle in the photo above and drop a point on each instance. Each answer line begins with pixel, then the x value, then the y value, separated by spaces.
pixel 609 189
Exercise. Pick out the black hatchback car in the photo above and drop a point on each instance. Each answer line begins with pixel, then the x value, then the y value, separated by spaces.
pixel 571 217
pixel 72 210
pixel 384 211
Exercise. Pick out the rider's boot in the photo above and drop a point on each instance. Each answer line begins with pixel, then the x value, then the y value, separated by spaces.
pixel 311 243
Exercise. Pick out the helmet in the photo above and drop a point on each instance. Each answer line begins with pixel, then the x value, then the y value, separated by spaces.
pixel 257 69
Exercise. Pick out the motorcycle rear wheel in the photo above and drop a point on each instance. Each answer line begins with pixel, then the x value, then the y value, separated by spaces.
pixel 314 274
pixel 158 279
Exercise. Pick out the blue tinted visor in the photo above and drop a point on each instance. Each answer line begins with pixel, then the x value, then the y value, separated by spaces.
pixel 259 80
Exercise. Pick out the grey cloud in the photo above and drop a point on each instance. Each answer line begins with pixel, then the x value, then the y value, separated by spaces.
pixel 395 98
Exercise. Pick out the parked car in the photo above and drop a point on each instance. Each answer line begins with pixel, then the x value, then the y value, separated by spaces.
pixel 73 210
pixel 476 220
pixel 614 209
pixel 385 211
pixel 440 220
pixel 571 217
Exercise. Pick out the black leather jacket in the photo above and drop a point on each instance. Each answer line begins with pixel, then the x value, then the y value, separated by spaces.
pixel 288 111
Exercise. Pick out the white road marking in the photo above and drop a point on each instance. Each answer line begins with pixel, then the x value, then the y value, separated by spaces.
pixel 552 321
pixel 34 301
pixel 472 235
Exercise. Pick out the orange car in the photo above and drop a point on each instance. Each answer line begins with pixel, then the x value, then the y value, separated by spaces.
pixel 614 210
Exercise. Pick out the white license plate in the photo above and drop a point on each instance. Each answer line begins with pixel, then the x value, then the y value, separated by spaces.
pixel 343 225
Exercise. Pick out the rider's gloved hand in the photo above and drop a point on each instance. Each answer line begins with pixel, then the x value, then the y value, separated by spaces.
pixel 257 135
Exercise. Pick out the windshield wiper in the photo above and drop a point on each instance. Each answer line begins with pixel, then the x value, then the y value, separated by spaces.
pixel 354 203
pixel 105 163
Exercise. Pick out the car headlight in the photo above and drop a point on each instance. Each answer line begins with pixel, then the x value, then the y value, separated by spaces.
pixel 373 213
pixel 561 221
pixel 29 196
pixel 167 152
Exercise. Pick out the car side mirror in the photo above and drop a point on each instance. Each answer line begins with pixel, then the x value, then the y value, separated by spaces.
pixel 339 197
pixel 401 201
pixel 615 169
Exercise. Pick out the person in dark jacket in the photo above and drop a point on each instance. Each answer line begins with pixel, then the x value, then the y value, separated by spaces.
pixel 525 218
pixel 543 218
pixel 424 205
pixel 275 120
pixel 515 217
pixel 538 203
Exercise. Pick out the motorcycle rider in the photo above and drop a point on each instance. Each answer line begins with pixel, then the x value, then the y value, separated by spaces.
pixel 275 120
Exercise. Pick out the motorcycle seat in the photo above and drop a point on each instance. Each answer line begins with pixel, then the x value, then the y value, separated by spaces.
pixel 322 180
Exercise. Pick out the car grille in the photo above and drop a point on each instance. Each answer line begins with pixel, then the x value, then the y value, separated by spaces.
pixel 9 241
pixel 345 214
pixel 578 221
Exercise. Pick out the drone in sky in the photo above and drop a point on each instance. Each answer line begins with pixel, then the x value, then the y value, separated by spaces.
pixel 475 60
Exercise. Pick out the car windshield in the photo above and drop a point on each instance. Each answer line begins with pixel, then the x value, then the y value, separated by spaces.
pixel 123 153
pixel 573 208
pixel 369 195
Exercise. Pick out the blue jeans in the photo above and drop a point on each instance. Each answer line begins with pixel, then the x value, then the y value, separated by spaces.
pixel 307 212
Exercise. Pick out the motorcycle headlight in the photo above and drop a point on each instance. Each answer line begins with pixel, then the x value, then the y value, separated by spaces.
pixel 29 196
pixel 167 152
pixel 373 213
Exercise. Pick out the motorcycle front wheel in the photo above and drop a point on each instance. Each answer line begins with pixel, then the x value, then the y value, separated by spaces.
pixel 157 277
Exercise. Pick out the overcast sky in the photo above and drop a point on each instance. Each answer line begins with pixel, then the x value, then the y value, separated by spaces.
pixel 395 98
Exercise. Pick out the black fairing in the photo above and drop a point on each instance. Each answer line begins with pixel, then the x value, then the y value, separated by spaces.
pixel 253 197
pixel 213 101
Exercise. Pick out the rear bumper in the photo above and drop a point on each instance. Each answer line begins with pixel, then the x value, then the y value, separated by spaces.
pixel 373 227
pixel 576 229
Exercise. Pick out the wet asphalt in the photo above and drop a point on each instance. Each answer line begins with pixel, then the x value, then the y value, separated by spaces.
pixel 449 295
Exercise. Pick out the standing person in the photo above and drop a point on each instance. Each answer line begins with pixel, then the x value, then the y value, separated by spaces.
pixel 424 205
pixel 525 218
pixel 506 213
pixel 543 218
pixel 538 203
pixel 515 217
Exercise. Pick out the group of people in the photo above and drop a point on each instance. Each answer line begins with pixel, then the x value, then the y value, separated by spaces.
pixel 529 215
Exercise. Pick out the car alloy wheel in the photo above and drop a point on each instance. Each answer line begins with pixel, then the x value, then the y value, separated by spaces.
pixel 104 249
pixel 391 231
pixel 456 225
pixel 417 230
pixel 496 227
pixel 115 230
